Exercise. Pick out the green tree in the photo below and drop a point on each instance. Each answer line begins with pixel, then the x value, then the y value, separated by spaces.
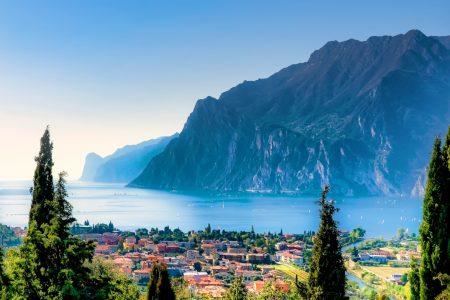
pixel 445 281
pixel 355 252
pixel 197 266
pixel 414 281
pixel 69 253
pixel 108 283
pixel 42 190
pixel 401 233
pixel 237 290
pixel 51 263
pixel 110 227
pixel 327 275
pixel 159 287
pixel 4 280
pixel 270 291
pixel 52 260
pixel 434 235
pixel 447 149
pixel 208 229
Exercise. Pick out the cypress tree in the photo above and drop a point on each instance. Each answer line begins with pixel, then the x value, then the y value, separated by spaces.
pixel 237 290
pixel 446 151
pixel 36 264
pixel 159 287
pixel 52 260
pixel 327 275
pixel 42 182
pixel 434 234
pixel 414 281
pixel 51 263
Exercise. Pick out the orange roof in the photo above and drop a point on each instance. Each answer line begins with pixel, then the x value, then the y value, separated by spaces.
pixel 219 268
pixel 202 281
pixel 142 271
pixel 258 286
pixel 290 255
pixel 102 248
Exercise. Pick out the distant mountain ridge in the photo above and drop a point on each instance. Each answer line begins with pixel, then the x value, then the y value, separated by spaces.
pixel 359 115
pixel 125 163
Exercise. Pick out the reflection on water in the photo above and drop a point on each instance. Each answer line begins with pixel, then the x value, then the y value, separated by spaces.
pixel 130 208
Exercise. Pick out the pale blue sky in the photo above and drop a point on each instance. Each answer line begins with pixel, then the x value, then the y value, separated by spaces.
pixel 108 73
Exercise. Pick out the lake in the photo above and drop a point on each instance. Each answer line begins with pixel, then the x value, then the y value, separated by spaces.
pixel 130 208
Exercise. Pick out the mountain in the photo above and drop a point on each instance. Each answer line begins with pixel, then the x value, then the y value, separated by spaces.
pixel 91 164
pixel 445 40
pixel 125 163
pixel 358 115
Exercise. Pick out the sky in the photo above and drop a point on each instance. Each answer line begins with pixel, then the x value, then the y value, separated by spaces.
pixel 103 74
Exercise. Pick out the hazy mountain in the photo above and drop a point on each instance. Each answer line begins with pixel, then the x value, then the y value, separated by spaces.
pixel 359 115
pixel 91 164
pixel 125 163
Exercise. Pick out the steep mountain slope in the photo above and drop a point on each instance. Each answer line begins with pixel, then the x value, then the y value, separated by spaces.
pixel 91 164
pixel 125 163
pixel 445 40
pixel 360 116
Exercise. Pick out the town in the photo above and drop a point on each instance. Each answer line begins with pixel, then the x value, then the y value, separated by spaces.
pixel 207 261
pixel 204 263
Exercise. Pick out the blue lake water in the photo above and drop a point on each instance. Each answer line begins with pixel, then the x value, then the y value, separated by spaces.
pixel 130 208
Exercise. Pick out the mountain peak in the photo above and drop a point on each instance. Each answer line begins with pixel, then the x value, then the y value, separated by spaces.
pixel 414 34
pixel 125 163
pixel 352 116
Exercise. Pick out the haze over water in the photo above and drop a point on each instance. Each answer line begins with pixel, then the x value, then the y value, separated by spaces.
pixel 130 208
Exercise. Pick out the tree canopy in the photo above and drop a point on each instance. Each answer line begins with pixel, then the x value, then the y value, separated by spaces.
pixel 159 287
pixel 327 275
pixel 435 228
pixel 51 263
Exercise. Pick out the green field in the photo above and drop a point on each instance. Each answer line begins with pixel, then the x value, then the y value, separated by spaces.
pixel 385 272
pixel 292 271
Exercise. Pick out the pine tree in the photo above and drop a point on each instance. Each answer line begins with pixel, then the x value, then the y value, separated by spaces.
pixel 434 235
pixel 159 287
pixel 327 275
pixel 237 290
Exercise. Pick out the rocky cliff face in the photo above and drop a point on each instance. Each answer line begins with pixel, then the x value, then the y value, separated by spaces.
pixel 125 163
pixel 360 116
pixel 91 164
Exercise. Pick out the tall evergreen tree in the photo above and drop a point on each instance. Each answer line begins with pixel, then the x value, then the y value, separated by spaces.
pixel 42 182
pixel 327 275
pixel 446 151
pixel 51 264
pixel 159 287
pixel 237 290
pixel 69 252
pixel 434 229
pixel 414 281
